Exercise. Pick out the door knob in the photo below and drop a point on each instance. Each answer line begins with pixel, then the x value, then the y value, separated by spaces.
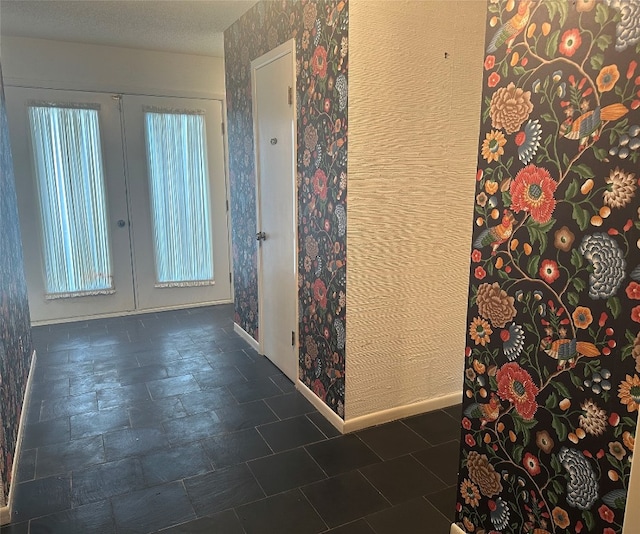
pixel 261 236
pixel 121 223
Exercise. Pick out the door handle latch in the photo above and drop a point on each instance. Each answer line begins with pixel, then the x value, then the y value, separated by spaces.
pixel 122 223
pixel 261 236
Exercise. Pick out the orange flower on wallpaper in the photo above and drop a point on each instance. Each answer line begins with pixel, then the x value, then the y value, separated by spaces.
pixel 582 317
pixel 607 78
pixel 629 392
pixel 532 191
pixel 493 146
pixel 480 331
pixel 560 517
pixel 570 42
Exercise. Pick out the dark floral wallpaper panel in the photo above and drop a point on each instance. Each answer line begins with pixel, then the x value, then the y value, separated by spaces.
pixel 552 375
pixel 320 29
pixel 15 329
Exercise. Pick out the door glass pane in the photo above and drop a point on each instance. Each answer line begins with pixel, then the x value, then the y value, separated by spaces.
pixel 70 178
pixel 179 187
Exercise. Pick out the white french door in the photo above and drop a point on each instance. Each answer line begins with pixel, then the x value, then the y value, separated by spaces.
pixel 175 162
pixel 122 202
pixel 48 188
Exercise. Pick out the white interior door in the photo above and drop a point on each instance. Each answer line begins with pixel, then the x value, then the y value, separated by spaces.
pixel 274 117
pixel 69 168
pixel 178 197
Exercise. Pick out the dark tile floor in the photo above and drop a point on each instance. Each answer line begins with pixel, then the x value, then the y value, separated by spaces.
pixel 170 422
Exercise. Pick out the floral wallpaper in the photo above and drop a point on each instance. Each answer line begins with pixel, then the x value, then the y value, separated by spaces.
pixel 15 324
pixel 552 379
pixel 320 29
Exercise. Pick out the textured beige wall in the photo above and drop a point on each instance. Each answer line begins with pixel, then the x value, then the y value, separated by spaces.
pixel 415 85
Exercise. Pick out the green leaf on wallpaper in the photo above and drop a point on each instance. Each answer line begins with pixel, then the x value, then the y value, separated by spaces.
pixel 584 171
pixel 538 232
pixel 565 159
pixel 561 389
pixel 557 486
pixel 597 60
pixel 532 265
pixel 637 224
pixel 630 336
pixel 518 70
pixel 552 43
pixel 487 109
pixel 504 69
pixel 555 463
pixel 559 427
pixel 629 421
pixel 581 216
pixel 506 199
pixel 600 153
pixel 578 284
pixel 560 7
pixel 571 190
pixel 552 400
pixel 602 14
pixel 548 118
pixel 523 427
pixel 576 259
pixel 576 381
pixel 603 42
pixel 502 274
pixel 573 298
pixel 638 48
pixel 614 306
pixel 553 498
pixel 588 516
pixel 552 8
pixel 618 90
pixel 517 453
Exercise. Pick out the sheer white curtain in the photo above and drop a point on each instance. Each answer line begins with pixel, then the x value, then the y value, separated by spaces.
pixel 69 170
pixel 179 187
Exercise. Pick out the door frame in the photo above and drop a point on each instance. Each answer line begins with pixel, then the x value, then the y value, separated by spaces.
pixel 288 47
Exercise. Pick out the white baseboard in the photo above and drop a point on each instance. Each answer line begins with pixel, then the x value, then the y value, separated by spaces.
pixel 399 412
pixel 5 511
pixel 130 312
pixel 317 402
pixel 455 529
pixel 246 336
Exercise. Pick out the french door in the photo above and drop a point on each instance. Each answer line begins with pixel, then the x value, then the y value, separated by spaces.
pixel 122 202
pixel 175 161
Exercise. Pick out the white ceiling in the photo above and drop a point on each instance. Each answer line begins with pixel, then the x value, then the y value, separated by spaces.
pixel 184 26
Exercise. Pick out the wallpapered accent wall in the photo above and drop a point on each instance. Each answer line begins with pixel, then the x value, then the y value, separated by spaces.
pixel 320 29
pixel 15 329
pixel 552 380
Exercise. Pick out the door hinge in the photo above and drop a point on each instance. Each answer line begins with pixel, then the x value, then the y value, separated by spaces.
pixel 293 338
pixel 227 205
pixel 290 96
pixel 222 127
pixel 118 99
pixel 230 278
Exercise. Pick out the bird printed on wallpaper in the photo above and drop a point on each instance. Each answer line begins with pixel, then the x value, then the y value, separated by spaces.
pixel 512 28
pixel 496 235
pixel 567 351
pixel 487 412
pixel 588 124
